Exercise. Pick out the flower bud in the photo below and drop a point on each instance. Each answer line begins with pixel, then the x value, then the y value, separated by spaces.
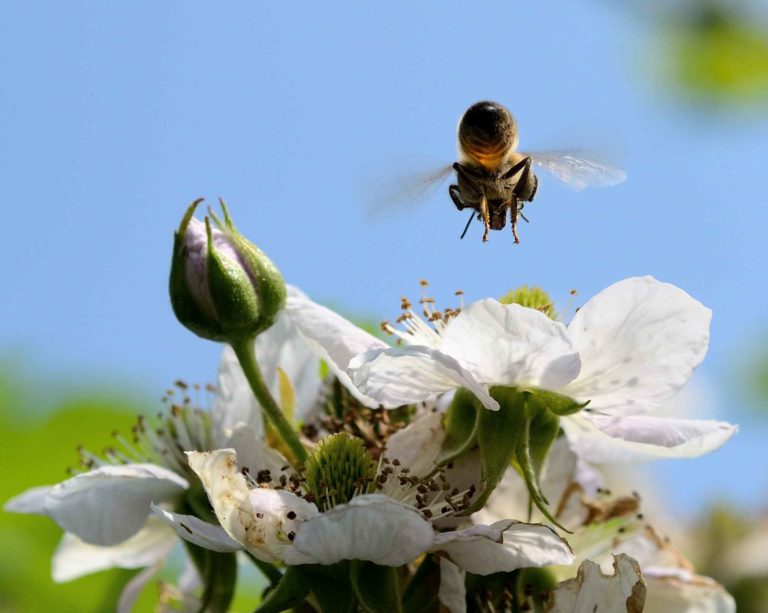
pixel 222 287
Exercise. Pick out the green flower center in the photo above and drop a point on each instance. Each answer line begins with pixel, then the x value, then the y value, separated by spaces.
pixel 531 297
pixel 339 468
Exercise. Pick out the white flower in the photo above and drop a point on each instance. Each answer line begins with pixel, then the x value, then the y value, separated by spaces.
pixel 629 349
pixel 390 527
pixel 105 513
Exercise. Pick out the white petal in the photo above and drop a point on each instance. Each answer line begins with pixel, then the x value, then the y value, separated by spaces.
pixel 109 504
pixel 604 439
pixel 405 375
pixel 257 519
pixel 591 590
pixel 74 558
pixel 503 547
pixel 227 490
pixel 418 444
pixel 639 342
pixel 32 501
pixel 134 587
pixel 280 513
pixel 370 527
pixel 507 344
pixel 197 531
pixel 334 339
pixel 453 592
pixel 253 453
pixel 699 595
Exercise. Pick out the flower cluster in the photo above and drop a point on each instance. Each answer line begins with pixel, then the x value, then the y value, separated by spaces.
pixel 459 468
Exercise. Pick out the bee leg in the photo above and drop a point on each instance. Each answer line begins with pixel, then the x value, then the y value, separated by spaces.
pixel 525 163
pixel 466 172
pixel 486 217
pixel 520 206
pixel 455 194
pixel 513 213
pixel 527 184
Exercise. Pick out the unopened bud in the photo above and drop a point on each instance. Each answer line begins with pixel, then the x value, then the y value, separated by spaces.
pixel 222 286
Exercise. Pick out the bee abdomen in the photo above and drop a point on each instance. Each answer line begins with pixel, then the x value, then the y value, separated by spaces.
pixel 487 133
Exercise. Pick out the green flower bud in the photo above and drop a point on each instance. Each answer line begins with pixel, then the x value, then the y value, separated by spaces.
pixel 222 287
pixel 531 297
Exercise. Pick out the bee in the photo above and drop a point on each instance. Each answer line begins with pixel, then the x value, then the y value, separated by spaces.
pixel 496 181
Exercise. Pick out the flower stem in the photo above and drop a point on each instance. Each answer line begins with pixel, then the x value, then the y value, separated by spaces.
pixel 246 355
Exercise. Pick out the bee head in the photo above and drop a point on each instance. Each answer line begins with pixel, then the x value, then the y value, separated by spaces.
pixel 487 133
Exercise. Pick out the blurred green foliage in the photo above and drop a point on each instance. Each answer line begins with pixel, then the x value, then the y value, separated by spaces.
pixel 716 53
pixel 36 450
pixel 721 529
pixel 756 367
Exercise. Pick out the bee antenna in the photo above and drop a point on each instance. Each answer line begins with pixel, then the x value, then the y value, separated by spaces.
pixel 469 221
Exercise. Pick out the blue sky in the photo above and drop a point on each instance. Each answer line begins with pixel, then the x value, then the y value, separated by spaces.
pixel 114 116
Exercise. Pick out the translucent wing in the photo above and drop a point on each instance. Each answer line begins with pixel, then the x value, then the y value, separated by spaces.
pixel 409 190
pixel 577 169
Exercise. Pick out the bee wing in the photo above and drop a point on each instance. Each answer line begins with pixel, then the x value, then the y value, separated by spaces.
pixel 409 190
pixel 577 169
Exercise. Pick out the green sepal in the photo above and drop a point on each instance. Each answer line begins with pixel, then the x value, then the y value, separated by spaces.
pixel 420 595
pixel 461 420
pixel 218 573
pixel 232 292
pixel 556 403
pixel 289 592
pixel 539 430
pixel 330 587
pixel 521 433
pixel 270 572
pixel 499 435
pixel 268 280
pixel 376 587
pixel 199 318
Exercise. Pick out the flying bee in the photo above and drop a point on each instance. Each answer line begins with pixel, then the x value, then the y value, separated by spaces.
pixel 495 180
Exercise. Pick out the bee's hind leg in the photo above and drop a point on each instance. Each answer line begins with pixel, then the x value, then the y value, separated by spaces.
pixel 453 192
pixel 486 217
pixel 514 212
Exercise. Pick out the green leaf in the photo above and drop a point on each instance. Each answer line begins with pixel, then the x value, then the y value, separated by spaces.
pixel 460 425
pixel 289 592
pixel 421 594
pixel 376 587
